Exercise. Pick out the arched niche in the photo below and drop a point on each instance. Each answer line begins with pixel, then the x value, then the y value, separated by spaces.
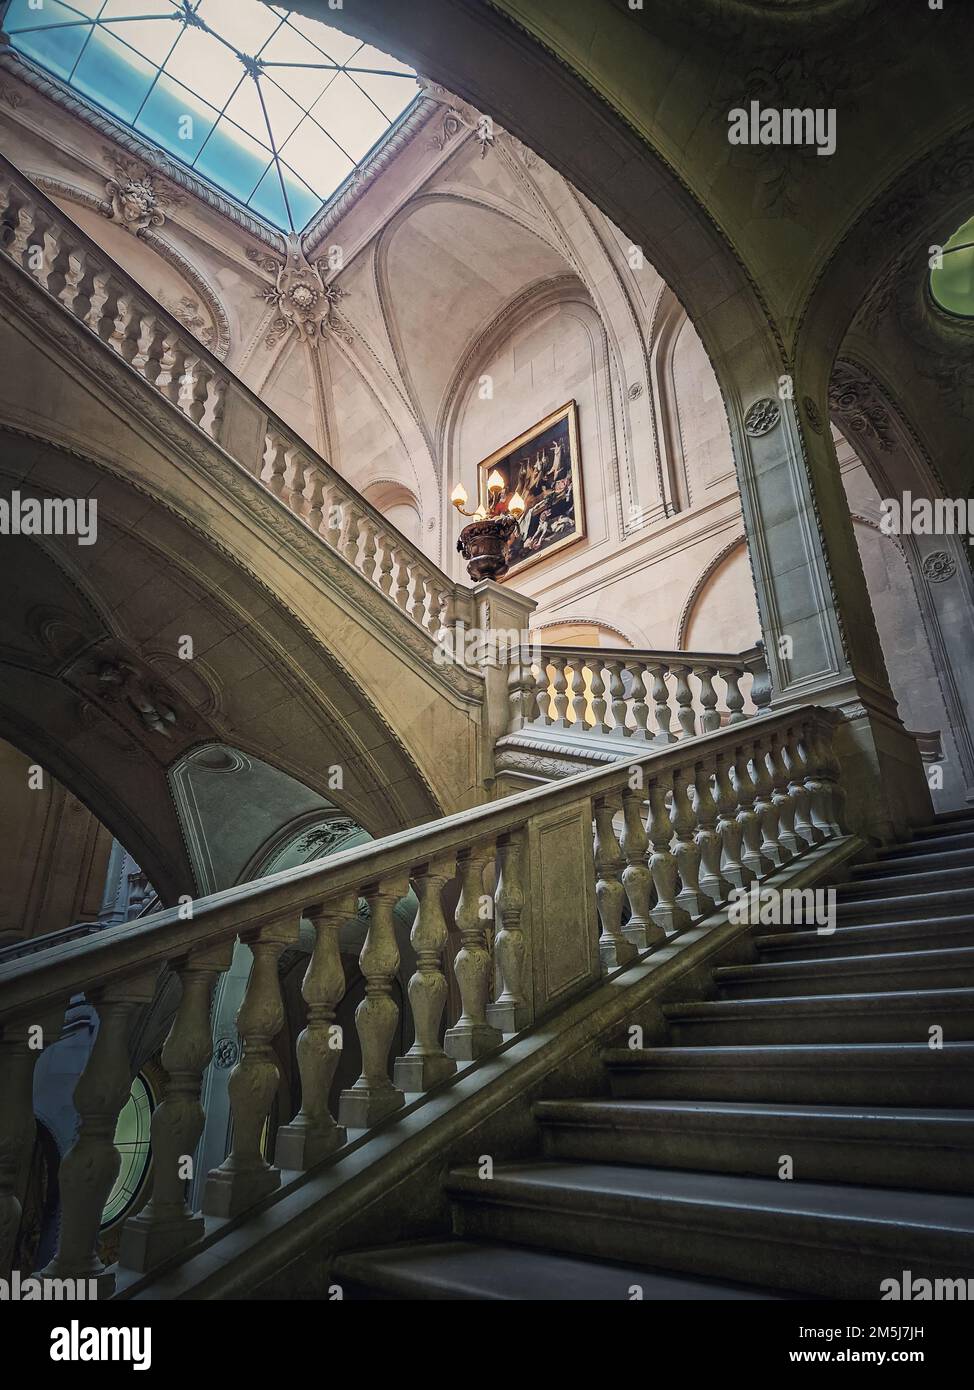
pixel 720 614
pixel 399 505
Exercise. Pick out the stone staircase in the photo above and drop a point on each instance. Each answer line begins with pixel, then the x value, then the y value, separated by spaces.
pixel 668 1187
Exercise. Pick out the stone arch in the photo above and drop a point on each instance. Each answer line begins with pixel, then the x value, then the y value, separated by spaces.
pixel 399 504
pixel 723 565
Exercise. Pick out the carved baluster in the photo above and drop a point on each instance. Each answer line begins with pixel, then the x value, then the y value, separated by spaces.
pixel 709 719
pixel 640 709
pixel 472 1035
pixel 377 1016
pixel 667 912
pixel 510 1012
pixel 245 1175
pixel 371 550
pixel 821 781
pixel 781 798
pixel 715 884
pixel 761 680
pixel 350 535
pixel 295 467
pixel 18 247
pixel 75 294
pixel 542 693
pixel 578 665
pixel 691 896
pixel 124 336
pixel 731 676
pixel 560 686
pixel 426 1064
pixel 213 405
pixel 614 948
pixel 166 1224
pixel 149 348
pixel 684 700
pixel 399 590
pixel 314 497
pixel 19 1052
pixel 91 1165
pixel 193 389
pixel 597 694
pixel 831 772
pixel 617 698
pixel 418 607
pixel 797 768
pixel 274 464
pixel 172 363
pixel 747 818
pixel 637 880
pixel 766 811
pixel 383 555
pixel 729 828
pixel 47 273
pixel 661 705
pixel 334 517
pixel 313 1133
pixel 520 694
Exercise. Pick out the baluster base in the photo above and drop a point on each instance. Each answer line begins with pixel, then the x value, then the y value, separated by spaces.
pixel 643 932
pixel 468 1041
pixel 419 1071
pixel 671 919
pixel 229 1191
pixel 508 1016
pixel 300 1146
pixel 148 1240
pixel 695 902
pixel 614 954
pixel 363 1106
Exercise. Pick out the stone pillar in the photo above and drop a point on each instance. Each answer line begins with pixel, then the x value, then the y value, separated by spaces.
pixel 499 614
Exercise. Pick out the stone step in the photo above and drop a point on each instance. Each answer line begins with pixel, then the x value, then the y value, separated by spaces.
pixel 462 1270
pixel 909 863
pixel 908 883
pixel 948 823
pixel 947 968
pixel 834 1240
pixel 901 1074
pixel 934 933
pixel 962 839
pixel 899 1016
pixel 891 907
pixel 887 1147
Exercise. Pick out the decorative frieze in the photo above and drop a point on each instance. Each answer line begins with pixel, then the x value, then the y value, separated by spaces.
pixel 305 302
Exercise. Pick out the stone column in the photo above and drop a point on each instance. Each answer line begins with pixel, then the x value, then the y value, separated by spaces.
pixel 426 1063
pixel 472 1035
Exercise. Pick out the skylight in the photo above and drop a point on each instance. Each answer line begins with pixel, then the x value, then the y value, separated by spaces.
pixel 273 108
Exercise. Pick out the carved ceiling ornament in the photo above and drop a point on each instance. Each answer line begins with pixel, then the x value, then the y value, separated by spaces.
pixel 857 405
pixel 938 567
pixel 304 300
pixel 457 116
pixel 762 417
pixel 136 197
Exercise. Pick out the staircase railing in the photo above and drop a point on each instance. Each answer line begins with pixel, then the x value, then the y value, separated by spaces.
pixel 58 256
pixel 637 695
pixel 556 885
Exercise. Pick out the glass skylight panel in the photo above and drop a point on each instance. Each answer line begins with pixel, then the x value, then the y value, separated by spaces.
pixel 273 108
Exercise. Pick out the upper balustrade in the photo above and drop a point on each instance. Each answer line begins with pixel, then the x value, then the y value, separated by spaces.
pixel 57 255
pixel 583 876
pixel 643 696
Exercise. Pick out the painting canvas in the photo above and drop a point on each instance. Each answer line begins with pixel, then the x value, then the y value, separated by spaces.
pixel 543 466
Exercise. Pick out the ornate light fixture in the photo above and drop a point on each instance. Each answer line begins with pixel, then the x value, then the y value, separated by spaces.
pixel 483 544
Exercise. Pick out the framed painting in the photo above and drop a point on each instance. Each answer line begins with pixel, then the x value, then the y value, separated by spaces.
pixel 544 467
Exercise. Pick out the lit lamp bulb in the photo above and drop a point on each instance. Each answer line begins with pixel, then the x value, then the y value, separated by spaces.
pixel 516 505
pixel 495 483
pixel 459 496
pixel 480 513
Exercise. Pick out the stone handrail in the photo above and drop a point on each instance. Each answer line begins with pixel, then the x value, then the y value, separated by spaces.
pixel 578 878
pixel 637 694
pixel 75 271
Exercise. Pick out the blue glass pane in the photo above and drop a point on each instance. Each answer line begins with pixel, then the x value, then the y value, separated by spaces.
pixel 162 119
pixel 56 49
pixel 268 200
pixel 233 160
pixel 113 75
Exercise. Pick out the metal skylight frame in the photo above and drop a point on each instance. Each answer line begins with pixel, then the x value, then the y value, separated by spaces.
pixel 187 14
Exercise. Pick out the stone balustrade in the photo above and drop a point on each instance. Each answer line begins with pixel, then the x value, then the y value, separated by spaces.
pixel 647 696
pixel 69 266
pixel 556 886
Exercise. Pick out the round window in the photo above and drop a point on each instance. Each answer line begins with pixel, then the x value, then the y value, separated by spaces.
pixel 952 284
pixel 132 1142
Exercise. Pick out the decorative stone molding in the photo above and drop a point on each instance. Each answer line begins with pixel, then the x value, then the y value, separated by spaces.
pixel 853 400
pixel 225 1052
pixel 187 312
pixel 457 116
pixel 939 566
pixel 136 197
pixel 812 415
pixel 304 301
pixel 762 417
